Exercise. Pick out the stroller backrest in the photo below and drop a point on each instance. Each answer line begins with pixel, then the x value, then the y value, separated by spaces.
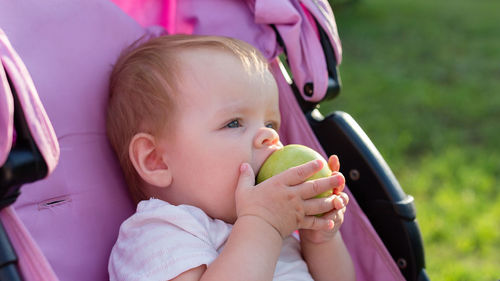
pixel 69 52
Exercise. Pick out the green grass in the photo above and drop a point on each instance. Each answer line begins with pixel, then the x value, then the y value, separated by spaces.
pixel 423 80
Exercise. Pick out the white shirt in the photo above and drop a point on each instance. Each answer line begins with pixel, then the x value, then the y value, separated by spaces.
pixel 161 241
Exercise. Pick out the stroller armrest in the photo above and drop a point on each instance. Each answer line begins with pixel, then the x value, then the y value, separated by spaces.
pixel 391 212
pixel 25 163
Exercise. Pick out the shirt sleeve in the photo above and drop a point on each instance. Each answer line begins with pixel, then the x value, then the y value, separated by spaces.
pixel 159 242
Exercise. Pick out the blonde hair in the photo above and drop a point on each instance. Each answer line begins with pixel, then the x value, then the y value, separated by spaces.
pixel 143 88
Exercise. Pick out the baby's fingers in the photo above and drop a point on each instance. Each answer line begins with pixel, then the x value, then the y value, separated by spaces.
pixel 316 223
pixel 318 206
pixel 312 188
pixel 341 201
pixel 301 173
pixel 247 177
pixel 334 163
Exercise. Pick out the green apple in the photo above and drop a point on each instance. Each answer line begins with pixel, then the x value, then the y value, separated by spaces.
pixel 289 156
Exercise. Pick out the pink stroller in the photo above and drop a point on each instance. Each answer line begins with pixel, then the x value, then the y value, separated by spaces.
pixel 63 227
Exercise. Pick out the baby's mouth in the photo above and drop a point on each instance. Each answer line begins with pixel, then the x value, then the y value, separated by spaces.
pixel 272 150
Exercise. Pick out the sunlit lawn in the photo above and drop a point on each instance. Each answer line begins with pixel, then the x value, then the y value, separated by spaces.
pixel 423 79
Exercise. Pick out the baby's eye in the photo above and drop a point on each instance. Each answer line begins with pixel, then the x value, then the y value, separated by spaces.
pixel 271 125
pixel 233 124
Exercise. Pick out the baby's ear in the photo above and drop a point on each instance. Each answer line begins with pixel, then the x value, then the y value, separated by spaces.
pixel 149 161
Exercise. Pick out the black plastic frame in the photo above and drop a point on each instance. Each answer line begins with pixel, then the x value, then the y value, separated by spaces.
pixel 391 212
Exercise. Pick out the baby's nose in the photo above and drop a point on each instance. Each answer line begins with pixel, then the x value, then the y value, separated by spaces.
pixel 266 137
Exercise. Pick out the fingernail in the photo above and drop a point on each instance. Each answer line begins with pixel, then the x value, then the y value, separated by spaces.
pixel 331 224
pixel 337 180
pixel 340 179
pixel 339 204
pixel 243 167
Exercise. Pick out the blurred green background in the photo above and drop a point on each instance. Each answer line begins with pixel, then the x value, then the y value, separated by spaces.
pixel 422 78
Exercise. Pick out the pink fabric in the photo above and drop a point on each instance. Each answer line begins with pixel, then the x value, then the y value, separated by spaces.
pixel 148 13
pixel 322 11
pixel 304 52
pixel 69 47
pixel 32 262
pixel 38 122
pixel 6 118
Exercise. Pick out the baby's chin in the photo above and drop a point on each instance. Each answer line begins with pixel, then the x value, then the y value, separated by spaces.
pixel 227 218
pixel 231 221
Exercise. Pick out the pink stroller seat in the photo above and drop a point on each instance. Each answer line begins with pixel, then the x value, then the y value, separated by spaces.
pixel 69 48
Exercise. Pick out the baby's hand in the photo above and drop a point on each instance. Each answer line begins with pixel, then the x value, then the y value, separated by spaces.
pixel 336 215
pixel 286 201
pixel 339 202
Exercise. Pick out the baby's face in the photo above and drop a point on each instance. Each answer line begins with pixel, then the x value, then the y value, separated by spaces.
pixel 227 116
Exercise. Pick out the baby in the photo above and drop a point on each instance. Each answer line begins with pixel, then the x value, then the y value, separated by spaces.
pixel 192 119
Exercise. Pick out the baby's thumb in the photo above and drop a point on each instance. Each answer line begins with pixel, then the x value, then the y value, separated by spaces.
pixel 247 176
